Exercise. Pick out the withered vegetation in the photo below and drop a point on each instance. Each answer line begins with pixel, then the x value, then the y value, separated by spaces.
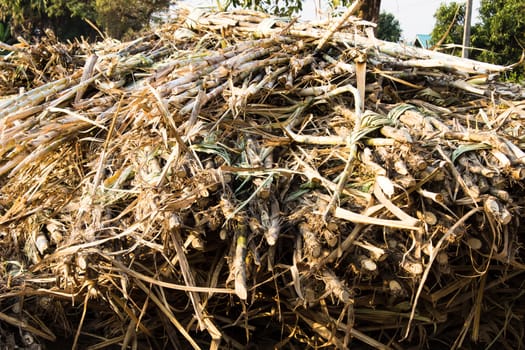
pixel 234 180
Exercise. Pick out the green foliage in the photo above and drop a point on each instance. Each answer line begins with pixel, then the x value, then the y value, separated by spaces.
pixel 277 7
pixel 72 8
pixel 291 7
pixel 499 37
pixel 67 17
pixel 4 32
pixel 450 20
pixel 501 32
pixel 16 10
pixel 120 17
pixel 388 27
pixel 24 10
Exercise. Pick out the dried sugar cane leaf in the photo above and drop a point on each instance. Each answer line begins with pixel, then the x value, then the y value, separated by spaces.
pixel 432 257
pixel 360 72
pixel 386 186
pixel 375 252
pixel 264 27
pixel 464 85
pixel 45 334
pixel 357 133
pixel 77 116
pixel 294 269
pixel 337 24
pixel 173 224
pixel 503 160
pixel 400 214
pixel 273 228
pixel 364 219
pixel 89 146
pixel 518 154
pixel 168 312
pixel 184 34
pixel 239 267
pixel 322 329
pixel 392 77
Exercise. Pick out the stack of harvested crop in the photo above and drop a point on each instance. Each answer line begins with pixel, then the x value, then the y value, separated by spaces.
pixel 234 180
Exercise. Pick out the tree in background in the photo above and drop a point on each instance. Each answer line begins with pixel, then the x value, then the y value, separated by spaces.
pixel 121 17
pixel 5 32
pixel 501 32
pixel 388 27
pixel 449 24
pixel 369 10
pixel 67 17
pixel 63 16
pixel 498 38
pixel 275 7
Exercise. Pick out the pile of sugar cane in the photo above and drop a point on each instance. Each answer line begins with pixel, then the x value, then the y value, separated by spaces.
pixel 234 180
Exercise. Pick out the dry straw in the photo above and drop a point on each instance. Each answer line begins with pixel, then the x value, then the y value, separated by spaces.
pixel 233 180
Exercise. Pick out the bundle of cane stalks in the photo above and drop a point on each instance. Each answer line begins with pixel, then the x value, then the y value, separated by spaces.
pixel 235 180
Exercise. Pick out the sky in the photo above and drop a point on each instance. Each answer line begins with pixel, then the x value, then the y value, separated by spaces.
pixel 417 16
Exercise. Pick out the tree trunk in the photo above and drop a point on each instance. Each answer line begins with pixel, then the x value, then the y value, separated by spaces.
pixel 370 10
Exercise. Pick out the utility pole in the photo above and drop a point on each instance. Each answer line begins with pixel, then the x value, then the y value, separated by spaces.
pixel 466 29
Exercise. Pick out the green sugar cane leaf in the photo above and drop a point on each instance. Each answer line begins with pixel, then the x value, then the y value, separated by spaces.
pixel 468 148
pixel 4 32
pixel 296 194
pixel 396 112
pixel 431 96
pixel 212 149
